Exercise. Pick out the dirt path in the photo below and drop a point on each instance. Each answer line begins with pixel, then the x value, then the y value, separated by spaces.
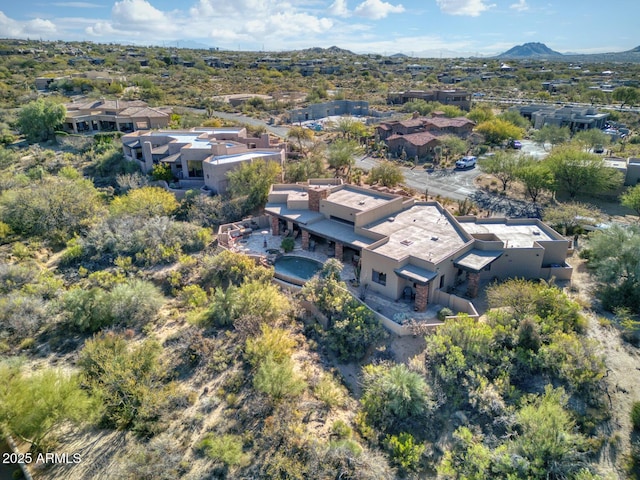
pixel 623 371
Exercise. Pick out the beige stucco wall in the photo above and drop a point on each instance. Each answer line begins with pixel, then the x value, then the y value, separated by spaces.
pixel 369 216
pixel 517 262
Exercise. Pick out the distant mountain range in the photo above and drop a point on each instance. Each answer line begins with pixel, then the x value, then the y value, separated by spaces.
pixel 535 50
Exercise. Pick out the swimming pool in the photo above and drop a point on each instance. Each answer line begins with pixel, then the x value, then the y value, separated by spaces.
pixel 296 270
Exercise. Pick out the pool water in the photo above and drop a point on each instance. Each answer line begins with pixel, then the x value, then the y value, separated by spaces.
pixel 299 268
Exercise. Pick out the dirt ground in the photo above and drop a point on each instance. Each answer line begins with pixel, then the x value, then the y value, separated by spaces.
pixel 623 365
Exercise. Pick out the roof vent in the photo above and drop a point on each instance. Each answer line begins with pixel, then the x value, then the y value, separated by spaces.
pixel 406 243
pixel 435 239
pixel 536 232
pixel 361 202
pixel 391 219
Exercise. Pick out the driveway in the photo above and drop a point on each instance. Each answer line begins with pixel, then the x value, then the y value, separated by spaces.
pixel 279 130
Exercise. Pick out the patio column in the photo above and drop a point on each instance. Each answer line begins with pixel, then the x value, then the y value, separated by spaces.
pixel 339 250
pixel 305 240
pixel 422 297
pixel 275 226
pixel 290 226
pixel 473 282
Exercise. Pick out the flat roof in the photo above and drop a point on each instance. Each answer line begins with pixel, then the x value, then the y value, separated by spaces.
pixel 475 260
pixel 421 231
pixel 239 157
pixel 340 232
pixel 300 216
pixel 520 235
pixel 357 199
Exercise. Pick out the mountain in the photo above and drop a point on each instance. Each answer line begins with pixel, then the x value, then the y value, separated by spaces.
pixel 529 50
pixel 327 51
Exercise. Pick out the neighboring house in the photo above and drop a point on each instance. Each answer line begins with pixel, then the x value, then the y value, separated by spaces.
pixel 113 115
pixel 458 98
pixel 405 245
pixel 576 118
pixel 317 111
pixel 200 157
pixel 418 136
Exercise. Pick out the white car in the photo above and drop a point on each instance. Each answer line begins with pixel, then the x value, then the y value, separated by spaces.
pixel 466 162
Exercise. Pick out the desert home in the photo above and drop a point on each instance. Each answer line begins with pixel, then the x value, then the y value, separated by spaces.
pixel 113 116
pixel 407 247
pixel 201 157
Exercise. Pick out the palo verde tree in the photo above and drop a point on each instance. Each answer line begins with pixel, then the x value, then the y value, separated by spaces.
pixel 341 155
pixel 496 131
pixel 503 165
pixel 551 134
pixel 386 173
pixel 253 180
pixel 626 96
pixel 576 171
pixel 589 139
pixel 631 199
pixel 535 177
pixel 38 120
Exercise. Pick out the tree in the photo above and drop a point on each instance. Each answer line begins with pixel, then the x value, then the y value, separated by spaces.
pixel 253 180
pixel 128 379
pixel 480 114
pixel 568 217
pixel 614 256
pixel 536 178
pixel 514 117
pixel 453 146
pixel 351 129
pixel 496 131
pixel 552 134
pixel 631 199
pixel 145 202
pixel 503 165
pixel 301 134
pixel 341 155
pixel 386 173
pixel 576 171
pixel 626 96
pixel 589 139
pixel 278 379
pixel 392 393
pixel 38 120
pixel 311 166
pixel 54 208
pixel 32 405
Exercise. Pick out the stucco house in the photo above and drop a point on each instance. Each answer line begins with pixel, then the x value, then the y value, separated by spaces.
pixel 113 115
pixel 402 245
pixel 418 136
pixel 201 157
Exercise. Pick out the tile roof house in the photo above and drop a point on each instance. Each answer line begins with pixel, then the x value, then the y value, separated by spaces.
pixel 113 115
pixel 403 244
pixel 418 136
pixel 200 157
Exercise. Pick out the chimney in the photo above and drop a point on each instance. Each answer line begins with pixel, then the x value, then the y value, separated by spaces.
pixel 315 195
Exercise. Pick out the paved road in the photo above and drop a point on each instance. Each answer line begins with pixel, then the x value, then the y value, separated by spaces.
pixel 280 131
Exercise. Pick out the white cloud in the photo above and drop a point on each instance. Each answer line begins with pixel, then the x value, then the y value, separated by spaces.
pixel 37 27
pixel 471 8
pixel 521 6
pixel 376 9
pixel 339 8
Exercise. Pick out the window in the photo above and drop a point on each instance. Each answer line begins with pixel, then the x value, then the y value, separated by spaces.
pixel 195 168
pixel 379 277
pixel 442 281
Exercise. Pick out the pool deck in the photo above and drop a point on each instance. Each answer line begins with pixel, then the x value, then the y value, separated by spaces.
pixel 398 311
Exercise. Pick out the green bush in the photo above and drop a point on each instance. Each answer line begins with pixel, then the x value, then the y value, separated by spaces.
pixel 341 429
pixel 405 452
pixel 223 448
pixel 443 313
pixel 278 380
pixel 287 244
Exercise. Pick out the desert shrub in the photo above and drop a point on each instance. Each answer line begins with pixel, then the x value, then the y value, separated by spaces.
pixel 149 240
pixel 54 208
pixel 160 459
pixel 356 330
pixel 278 380
pixel 130 380
pixel 404 451
pixel 341 429
pixel 330 392
pixel 127 304
pixel 230 268
pixel 161 171
pixel 21 315
pixel 32 404
pixel 145 202
pixel 274 342
pixel 223 448
pixel 443 313
pixel 193 296
pixel 15 276
pixel 392 393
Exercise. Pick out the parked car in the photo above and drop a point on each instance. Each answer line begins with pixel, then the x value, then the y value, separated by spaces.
pixel 598 149
pixel 517 144
pixel 466 162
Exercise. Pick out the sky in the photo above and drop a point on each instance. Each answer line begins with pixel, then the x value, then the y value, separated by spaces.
pixel 435 28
